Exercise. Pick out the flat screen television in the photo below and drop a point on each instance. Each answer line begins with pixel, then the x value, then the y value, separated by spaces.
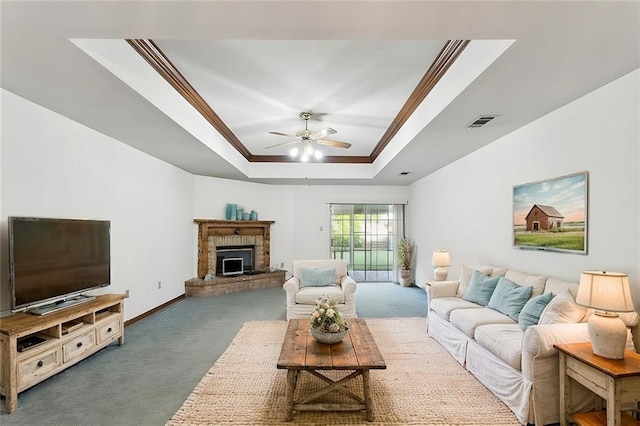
pixel 51 260
pixel 232 266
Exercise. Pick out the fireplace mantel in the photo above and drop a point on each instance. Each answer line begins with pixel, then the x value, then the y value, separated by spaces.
pixel 210 231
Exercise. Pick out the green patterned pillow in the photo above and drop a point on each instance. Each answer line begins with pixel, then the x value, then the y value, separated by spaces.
pixel 317 277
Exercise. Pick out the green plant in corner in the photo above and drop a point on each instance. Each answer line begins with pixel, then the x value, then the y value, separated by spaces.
pixel 406 257
pixel 406 253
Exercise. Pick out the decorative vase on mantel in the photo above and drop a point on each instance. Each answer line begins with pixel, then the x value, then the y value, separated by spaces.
pixel 231 211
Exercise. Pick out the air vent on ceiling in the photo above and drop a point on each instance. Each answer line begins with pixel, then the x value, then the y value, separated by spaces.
pixel 403 173
pixel 481 121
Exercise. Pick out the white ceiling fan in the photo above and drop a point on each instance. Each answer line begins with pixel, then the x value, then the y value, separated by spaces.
pixel 308 138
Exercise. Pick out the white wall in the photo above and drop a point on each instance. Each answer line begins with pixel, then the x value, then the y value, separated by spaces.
pixel 55 167
pixel 301 213
pixel 467 208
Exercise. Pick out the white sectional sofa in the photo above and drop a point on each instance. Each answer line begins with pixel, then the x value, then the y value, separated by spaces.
pixel 519 366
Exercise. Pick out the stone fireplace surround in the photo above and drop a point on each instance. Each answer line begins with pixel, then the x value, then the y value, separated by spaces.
pixel 230 233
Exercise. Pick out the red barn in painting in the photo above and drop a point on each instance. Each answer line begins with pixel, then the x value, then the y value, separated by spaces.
pixel 543 217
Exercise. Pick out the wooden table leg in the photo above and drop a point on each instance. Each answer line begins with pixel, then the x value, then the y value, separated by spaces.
pixel 565 390
pixel 291 387
pixel 12 401
pixel 366 389
pixel 614 417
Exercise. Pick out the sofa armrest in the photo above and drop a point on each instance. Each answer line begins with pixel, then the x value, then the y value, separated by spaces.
pixel 437 289
pixel 538 340
pixel 291 286
pixel 349 286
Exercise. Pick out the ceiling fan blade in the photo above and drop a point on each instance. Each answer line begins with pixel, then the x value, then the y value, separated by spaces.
pixel 322 133
pixel 336 144
pixel 280 144
pixel 282 134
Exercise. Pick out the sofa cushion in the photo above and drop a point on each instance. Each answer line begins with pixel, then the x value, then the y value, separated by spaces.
pixel 465 277
pixel 502 340
pixel 443 306
pixel 509 298
pixel 531 311
pixel 556 286
pixel 480 288
pixel 466 320
pixel 525 280
pixel 561 309
pixel 309 295
pixel 317 277
pixel 496 271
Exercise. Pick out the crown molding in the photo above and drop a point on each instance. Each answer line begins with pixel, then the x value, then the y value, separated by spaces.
pixel 163 65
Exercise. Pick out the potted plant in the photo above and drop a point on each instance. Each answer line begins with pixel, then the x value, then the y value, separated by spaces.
pixel 406 256
pixel 327 325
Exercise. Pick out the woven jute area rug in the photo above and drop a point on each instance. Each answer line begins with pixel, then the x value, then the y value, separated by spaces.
pixel 422 385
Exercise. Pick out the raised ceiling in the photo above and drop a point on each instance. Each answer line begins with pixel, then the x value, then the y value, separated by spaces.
pixel 355 65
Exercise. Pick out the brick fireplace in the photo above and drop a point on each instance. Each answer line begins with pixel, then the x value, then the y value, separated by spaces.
pixel 215 235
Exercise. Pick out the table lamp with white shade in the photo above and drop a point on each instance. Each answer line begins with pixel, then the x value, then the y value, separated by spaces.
pixel 608 293
pixel 440 260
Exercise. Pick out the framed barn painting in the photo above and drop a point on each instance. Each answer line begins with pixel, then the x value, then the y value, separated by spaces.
pixel 552 214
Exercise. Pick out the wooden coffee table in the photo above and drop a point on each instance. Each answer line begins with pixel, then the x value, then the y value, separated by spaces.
pixel 301 352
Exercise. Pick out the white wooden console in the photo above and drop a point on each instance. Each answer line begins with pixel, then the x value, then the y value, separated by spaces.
pixel 70 335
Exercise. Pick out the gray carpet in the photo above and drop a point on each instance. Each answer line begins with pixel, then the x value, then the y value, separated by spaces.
pixel 166 354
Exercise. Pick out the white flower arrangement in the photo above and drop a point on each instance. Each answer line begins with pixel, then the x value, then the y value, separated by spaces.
pixel 326 316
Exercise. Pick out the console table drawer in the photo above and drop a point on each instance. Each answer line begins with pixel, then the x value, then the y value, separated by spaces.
pixel 109 331
pixel 78 346
pixel 32 369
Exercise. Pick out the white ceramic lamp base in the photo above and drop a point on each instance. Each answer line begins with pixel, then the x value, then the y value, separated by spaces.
pixel 608 335
pixel 440 274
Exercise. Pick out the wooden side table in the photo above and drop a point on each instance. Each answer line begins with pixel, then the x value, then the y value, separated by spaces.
pixel 617 381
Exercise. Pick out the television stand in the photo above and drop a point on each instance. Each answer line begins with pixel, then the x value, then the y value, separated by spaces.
pixel 70 335
pixel 47 309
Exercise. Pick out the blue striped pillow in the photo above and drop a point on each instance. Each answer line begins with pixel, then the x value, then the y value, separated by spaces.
pixel 531 311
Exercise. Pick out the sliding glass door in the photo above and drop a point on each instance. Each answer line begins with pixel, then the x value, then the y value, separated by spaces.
pixel 365 236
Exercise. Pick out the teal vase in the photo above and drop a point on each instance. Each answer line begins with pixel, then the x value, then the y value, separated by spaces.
pixel 231 212
pixel 239 214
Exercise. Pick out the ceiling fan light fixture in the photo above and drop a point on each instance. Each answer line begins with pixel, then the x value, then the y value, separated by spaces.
pixel 309 139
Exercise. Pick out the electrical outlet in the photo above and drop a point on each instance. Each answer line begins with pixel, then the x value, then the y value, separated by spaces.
pixel 159 284
pixel 126 293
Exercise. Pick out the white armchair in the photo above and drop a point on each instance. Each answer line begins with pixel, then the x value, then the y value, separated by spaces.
pixel 301 298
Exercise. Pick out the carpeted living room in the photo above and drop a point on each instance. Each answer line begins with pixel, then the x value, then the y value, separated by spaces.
pixel 200 152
